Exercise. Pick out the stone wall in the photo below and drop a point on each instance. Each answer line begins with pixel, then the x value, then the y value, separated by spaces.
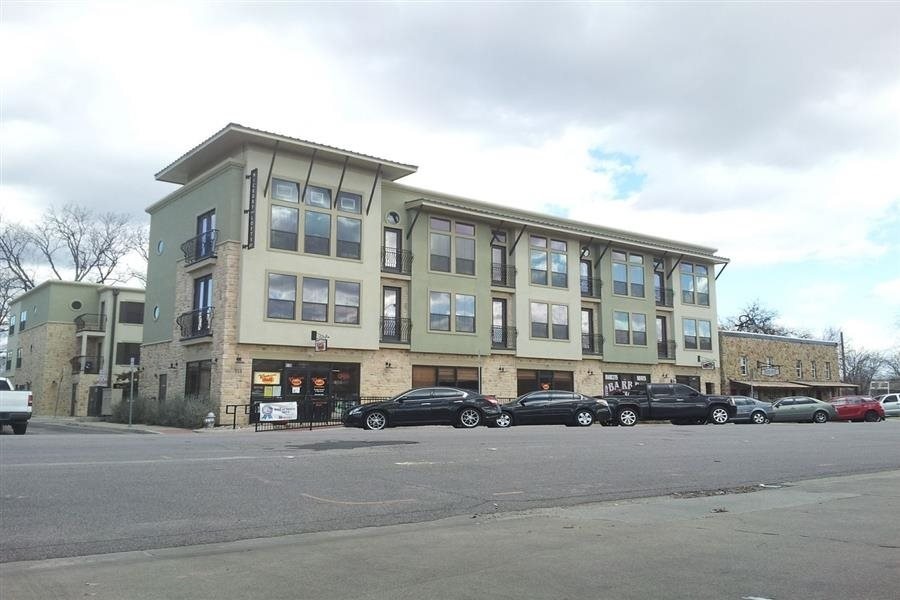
pixel 783 351
pixel 46 368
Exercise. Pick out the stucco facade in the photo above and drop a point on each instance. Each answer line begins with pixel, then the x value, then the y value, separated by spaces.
pixel 273 242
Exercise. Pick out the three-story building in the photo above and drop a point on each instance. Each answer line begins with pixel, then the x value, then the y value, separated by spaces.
pixel 284 269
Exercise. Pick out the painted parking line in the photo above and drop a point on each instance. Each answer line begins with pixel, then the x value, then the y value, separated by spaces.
pixel 358 503
pixel 508 493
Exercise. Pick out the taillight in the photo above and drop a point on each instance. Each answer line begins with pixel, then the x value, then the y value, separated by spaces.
pixel 29 400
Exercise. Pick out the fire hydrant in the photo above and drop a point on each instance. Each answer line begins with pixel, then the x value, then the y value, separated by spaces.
pixel 209 420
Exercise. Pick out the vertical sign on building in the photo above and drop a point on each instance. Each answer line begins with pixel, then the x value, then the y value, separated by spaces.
pixel 251 212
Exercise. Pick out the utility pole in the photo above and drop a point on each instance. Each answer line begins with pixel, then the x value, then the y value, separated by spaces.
pixel 131 390
pixel 843 360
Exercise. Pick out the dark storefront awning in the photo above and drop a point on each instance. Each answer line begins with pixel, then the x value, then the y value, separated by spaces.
pixel 773 384
pixel 832 384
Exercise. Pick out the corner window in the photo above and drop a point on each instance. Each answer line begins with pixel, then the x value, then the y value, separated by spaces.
pixel 439 311
pixel 315 300
pixel 282 297
pixel 694 284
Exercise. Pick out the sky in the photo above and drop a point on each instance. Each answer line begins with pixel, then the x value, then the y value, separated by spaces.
pixel 770 131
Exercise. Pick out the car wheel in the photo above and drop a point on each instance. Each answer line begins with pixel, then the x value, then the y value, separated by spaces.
pixel 758 418
pixel 504 420
pixel 820 417
pixel 375 420
pixel 469 418
pixel 628 417
pixel 872 417
pixel 718 415
pixel 19 428
pixel 584 418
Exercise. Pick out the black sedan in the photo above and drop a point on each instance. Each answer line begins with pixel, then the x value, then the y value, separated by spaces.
pixel 426 406
pixel 553 407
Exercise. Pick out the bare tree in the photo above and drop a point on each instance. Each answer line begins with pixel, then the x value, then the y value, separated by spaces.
pixel 892 365
pixel 862 367
pixel 142 249
pixel 9 289
pixel 756 318
pixel 16 254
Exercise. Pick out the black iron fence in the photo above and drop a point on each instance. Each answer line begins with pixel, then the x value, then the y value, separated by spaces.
pixel 197 323
pixel 396 261
pixel 592 344
pixel 395 331
pixel 590 287
pixel 90 322
pixel 503 338
pixel 503 275
pixel 307 413
pixel 666 350
pixel 664 297
pixel 85 364
pixel 200 247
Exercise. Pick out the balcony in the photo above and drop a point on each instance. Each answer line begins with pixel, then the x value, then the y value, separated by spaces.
pixel 503 338
pixel 664 297
pixel 590 288
pixel 90 322
pixel 396 261
pixel 592 344
pixel 85 364
pixel 196 324
pixel 200 247
pixel 503 275
pixel 395 331
pixel 665 350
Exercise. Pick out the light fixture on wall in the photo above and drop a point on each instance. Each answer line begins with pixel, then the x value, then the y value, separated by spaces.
pixel 173 365
pixel 387 364
pixel 502 369
pixel 590 372
pixel 238 360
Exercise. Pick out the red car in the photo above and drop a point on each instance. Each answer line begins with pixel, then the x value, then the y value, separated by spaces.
pixel 858 408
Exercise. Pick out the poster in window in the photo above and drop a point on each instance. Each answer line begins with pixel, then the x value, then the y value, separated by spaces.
pixel 319 385
pixel 267 378
pixel 296 382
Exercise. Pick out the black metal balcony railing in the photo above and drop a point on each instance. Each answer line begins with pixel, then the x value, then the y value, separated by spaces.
pixel 200 247
pixel 395 331
pixel 396 261
pixel 590 288
pixel 664 296
pixel 503 338
pixel 592 343
pixel 666 350
pixel 503 275
pixel 197 323
pixel 85 364
pixel 90 322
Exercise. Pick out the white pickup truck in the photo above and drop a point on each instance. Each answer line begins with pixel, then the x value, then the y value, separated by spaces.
pixel 15 407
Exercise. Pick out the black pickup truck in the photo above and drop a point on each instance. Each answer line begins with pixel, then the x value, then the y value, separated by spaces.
pixel 676 402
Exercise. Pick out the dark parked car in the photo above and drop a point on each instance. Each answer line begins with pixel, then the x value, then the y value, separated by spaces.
pixel 426 406
pixel 751 410
pixel 801 409
pixel 858 408
pixel 681 404
pixel 553 407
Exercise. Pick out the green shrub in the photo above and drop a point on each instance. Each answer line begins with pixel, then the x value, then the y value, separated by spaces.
pixel 175 412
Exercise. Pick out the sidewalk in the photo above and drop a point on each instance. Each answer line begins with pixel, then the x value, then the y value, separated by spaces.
pixel 97 423
pixel 836 538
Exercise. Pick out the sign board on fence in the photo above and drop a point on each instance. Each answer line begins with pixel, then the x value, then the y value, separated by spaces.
pixel 277 411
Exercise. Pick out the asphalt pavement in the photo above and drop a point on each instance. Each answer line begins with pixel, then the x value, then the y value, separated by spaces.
pixel 829 538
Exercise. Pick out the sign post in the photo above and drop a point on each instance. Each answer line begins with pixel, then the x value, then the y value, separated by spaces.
pixel 131 389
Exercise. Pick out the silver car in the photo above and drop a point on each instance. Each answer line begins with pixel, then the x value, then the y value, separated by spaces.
pixel 801 409
pixel 891 404
pixel 751 410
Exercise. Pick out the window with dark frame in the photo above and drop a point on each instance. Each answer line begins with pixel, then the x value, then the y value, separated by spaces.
pixel 285 224
pixel 694 284
pixel 317 233
pixel 349 237
pixel 465 313
pixel 125 351
pixel 559 314
pixel 282 296
pixel 346 302
pixel 131 312
pixel 315 300
pixel 540 319
pixel 439 311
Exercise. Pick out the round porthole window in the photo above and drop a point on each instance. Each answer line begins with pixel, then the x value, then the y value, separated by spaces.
pixel 160 246
pixel 76 304
pixel 392 217
pixel 156 313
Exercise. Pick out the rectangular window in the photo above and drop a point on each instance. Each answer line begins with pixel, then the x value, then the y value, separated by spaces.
pixel 690 334
pixel 23 318
pixel 628 274
pixel 538 267
pixel 539 320
pixel 18 358
pixel 465 255
pixel 439 224
pixel 799 369
pixel 126 351
pixel 704 332
pixel 197 377
pixel 828 371
pixel 636 274
pixel 559 269
pixel 560 315
pixel 694 284
pixel 465 313
pixel 346 302
pixel 622 327
pixel 317 233
pixel 439 310
pixel 286 191
pixel 282 297
pixel 429 376
pixel 743 366
pixel 639 329
pixel 317 196
pixel 131 312
pixel 285 221
pixel 814 371
pixel 12 324
pixel 349 232
pixel 349 202
pixel 620 273
pixel 440 252
pixel 315 299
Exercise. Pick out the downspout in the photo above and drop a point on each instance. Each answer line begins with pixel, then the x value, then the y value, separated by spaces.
pixel 112 340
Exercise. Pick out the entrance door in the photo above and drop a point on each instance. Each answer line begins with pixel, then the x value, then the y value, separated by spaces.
pixel 662 338
pixel 203 290
pixel 206 223
pixel 498 265
pixel 587 281
pixel 499 335
pixel 390 323
pixel 588 343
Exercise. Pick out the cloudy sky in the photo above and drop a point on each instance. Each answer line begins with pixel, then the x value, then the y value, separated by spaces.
pixel 770 131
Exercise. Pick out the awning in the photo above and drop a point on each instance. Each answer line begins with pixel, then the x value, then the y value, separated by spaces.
pixel 773 384
pixel 834 384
